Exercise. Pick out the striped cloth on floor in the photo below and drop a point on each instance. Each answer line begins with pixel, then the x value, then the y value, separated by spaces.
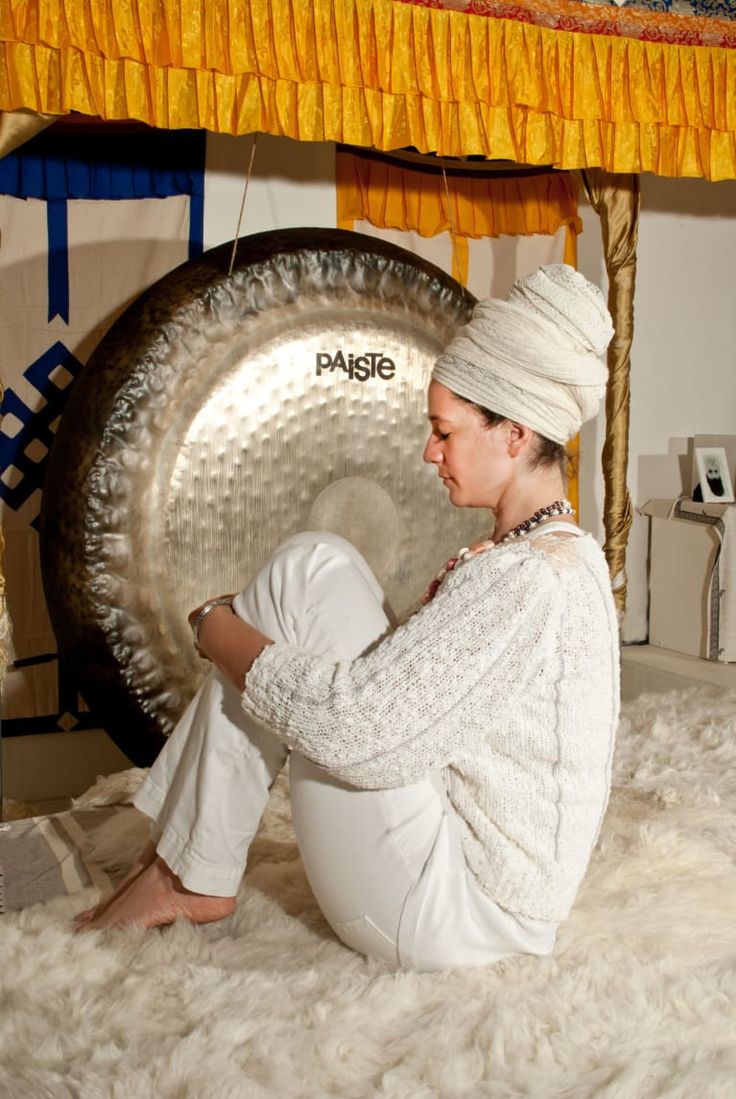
pixel 44 857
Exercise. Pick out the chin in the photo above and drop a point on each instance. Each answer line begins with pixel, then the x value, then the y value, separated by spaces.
pixel 460 499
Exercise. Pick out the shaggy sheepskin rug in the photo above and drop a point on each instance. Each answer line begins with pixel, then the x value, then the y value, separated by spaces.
pixel 639 1000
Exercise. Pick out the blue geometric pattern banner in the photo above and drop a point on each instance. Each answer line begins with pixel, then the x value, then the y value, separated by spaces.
pixel 84 161
pixel 56 167
pixel 26 450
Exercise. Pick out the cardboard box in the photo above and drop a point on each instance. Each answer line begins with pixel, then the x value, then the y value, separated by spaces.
pixel 692 577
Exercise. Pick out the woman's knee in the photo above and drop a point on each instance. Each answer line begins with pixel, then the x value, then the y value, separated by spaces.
pixel 317 592
pixel 306 557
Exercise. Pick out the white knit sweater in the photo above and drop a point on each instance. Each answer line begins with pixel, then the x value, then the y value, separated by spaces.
pixel 508 681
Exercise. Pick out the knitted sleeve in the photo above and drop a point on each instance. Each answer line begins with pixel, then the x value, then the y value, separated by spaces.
pixel 424 693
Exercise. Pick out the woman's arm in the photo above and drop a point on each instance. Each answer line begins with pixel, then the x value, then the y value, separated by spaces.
pixel 229 642
pixel 427 690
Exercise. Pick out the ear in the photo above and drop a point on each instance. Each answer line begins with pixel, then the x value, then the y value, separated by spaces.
pixel 519 439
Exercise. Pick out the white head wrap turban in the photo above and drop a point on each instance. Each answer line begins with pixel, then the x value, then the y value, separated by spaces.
pixel 534 358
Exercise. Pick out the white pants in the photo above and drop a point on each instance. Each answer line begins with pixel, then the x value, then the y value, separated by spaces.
pixel 386 866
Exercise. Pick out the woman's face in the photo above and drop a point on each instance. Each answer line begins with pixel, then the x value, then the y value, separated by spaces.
pixel 471 458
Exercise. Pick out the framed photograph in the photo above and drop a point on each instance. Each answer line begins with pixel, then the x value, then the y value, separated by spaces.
pixel 715 480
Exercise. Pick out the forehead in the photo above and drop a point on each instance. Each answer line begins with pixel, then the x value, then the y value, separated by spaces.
pixel 443 404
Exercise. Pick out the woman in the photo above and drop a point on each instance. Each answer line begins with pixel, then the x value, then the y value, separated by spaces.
pixel 448 778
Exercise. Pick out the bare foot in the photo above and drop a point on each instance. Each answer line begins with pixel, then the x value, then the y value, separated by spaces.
pixel 157 897
pixel 146 857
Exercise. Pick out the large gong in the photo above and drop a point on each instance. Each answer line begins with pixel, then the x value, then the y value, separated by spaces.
pixel 222 413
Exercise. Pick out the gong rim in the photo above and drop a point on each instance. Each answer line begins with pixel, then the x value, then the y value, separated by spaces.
pixel 95 491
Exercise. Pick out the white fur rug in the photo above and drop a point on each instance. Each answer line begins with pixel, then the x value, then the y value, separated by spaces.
pixel 638 1002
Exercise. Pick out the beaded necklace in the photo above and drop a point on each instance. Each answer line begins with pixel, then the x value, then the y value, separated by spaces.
pixel 559 507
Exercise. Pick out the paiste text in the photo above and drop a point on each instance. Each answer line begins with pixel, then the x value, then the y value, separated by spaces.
pixel 358 368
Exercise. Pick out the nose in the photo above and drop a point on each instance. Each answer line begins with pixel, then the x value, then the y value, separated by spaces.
pixel 431 450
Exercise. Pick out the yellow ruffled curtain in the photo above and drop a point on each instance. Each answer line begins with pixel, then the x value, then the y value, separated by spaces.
pixel 467 204
pixel 383 74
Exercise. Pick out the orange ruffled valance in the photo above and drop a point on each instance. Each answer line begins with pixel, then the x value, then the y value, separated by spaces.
pixel 394 194
pixel 382 74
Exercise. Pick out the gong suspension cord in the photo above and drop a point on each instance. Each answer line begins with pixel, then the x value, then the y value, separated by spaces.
pixel 242 204
pixel 451 220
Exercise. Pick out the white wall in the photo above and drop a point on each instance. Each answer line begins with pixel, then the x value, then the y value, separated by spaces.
pixel 683 359
pixel 292 183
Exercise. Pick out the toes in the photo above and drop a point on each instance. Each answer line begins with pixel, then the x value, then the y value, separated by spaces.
pixel 87 914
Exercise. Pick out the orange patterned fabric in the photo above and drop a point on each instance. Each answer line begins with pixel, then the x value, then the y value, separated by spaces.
pixel 393 195
pixel 589 18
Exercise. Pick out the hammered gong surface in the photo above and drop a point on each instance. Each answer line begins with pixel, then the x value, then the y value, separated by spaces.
pixel 221 414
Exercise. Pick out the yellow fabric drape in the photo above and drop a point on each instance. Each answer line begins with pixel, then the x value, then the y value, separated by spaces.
pixel 395 195
pixel 392 194
pixel 379 74
pixel 460 259
pixel 616 201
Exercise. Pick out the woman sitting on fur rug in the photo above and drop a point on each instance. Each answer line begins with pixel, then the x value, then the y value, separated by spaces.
pixel 449 776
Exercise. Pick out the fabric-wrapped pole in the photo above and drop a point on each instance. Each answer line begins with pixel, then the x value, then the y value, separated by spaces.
pixel 615 198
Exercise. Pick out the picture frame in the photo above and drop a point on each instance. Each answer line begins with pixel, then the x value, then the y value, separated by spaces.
pixel 713 473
